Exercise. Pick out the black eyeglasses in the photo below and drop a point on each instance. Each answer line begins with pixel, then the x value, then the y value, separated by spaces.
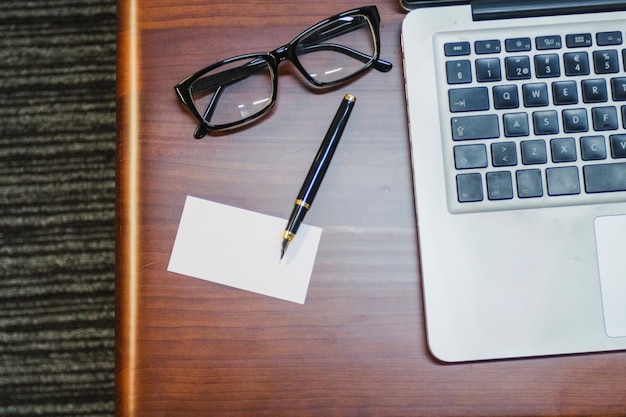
pixel 238 90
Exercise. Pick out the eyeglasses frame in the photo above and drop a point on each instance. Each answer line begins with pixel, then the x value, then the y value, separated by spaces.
pixel 273 59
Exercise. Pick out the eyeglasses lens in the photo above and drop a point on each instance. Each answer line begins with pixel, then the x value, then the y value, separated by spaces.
pixel 338 50
pixel 236 91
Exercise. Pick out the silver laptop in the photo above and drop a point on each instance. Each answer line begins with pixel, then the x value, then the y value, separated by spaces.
pixel 517 116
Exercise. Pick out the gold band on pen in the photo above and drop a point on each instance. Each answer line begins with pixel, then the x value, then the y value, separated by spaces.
pixel 303 204
pixel 288 235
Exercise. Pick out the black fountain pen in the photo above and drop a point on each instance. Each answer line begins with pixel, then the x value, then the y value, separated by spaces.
pixel 317 170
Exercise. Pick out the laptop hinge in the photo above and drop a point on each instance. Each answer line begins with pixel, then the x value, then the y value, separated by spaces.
pixel 499 9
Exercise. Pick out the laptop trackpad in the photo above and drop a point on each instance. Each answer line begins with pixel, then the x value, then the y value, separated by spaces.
pixel 611 244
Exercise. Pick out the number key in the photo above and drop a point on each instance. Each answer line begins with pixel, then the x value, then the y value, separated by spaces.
pixel 517 67
pixel 606 62
pixel 459 72
pixel 547 65
pixel 576 63
pixel 488 69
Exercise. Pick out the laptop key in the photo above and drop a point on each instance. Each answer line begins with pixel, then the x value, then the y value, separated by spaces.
pixel 470 156
pixel 457 48
pixel 579 40
pixel 563 150
pixel 546 122
pixel 604 178
pixel 592 148
pixel 544 43
pixel 562 181
pixel 517 67
pixel 606 62
pixel 488 70
pixel 499 185
pixel 618 146
pixel 576 63
pixel 609 38
pixel 575 120
pixel 534 152
pixel 459 72
pixel 469 187
pixel 565 92
pixel 535 94
pixel 503 154
pixel 604 118
pixel 488 47
pixel 547 65
pixel 505 97
pixel 529 184
pixel 618 87
pixel 515 124
pixel 475 127
pixel 468 99
pixel 518 44
pixel 594 91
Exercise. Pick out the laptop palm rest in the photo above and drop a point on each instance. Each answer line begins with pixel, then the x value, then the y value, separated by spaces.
pixel 611 241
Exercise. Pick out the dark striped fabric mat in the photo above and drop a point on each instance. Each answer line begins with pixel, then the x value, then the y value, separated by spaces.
pixel 57 207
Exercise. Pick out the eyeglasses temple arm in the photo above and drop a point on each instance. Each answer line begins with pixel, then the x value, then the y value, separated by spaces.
pixel 229 76
pixel 201 130
pixel 378 64
pixel 382 65
pixel 341 28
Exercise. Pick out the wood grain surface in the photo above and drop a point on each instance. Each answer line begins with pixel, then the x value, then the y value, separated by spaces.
pixel 357 347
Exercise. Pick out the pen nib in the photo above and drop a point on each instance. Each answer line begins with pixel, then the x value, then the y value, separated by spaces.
pixel 284 248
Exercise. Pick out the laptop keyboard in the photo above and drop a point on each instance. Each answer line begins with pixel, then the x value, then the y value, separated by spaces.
pixel 535 120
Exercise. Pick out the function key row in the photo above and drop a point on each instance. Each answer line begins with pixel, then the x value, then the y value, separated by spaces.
pixel 542 43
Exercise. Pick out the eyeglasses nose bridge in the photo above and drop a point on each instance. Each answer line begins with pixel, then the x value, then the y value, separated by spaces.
pixel 281 54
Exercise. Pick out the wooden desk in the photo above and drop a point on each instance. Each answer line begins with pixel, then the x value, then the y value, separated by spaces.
pixel 357 347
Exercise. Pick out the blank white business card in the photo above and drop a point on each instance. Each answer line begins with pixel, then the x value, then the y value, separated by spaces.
pixel 241 249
